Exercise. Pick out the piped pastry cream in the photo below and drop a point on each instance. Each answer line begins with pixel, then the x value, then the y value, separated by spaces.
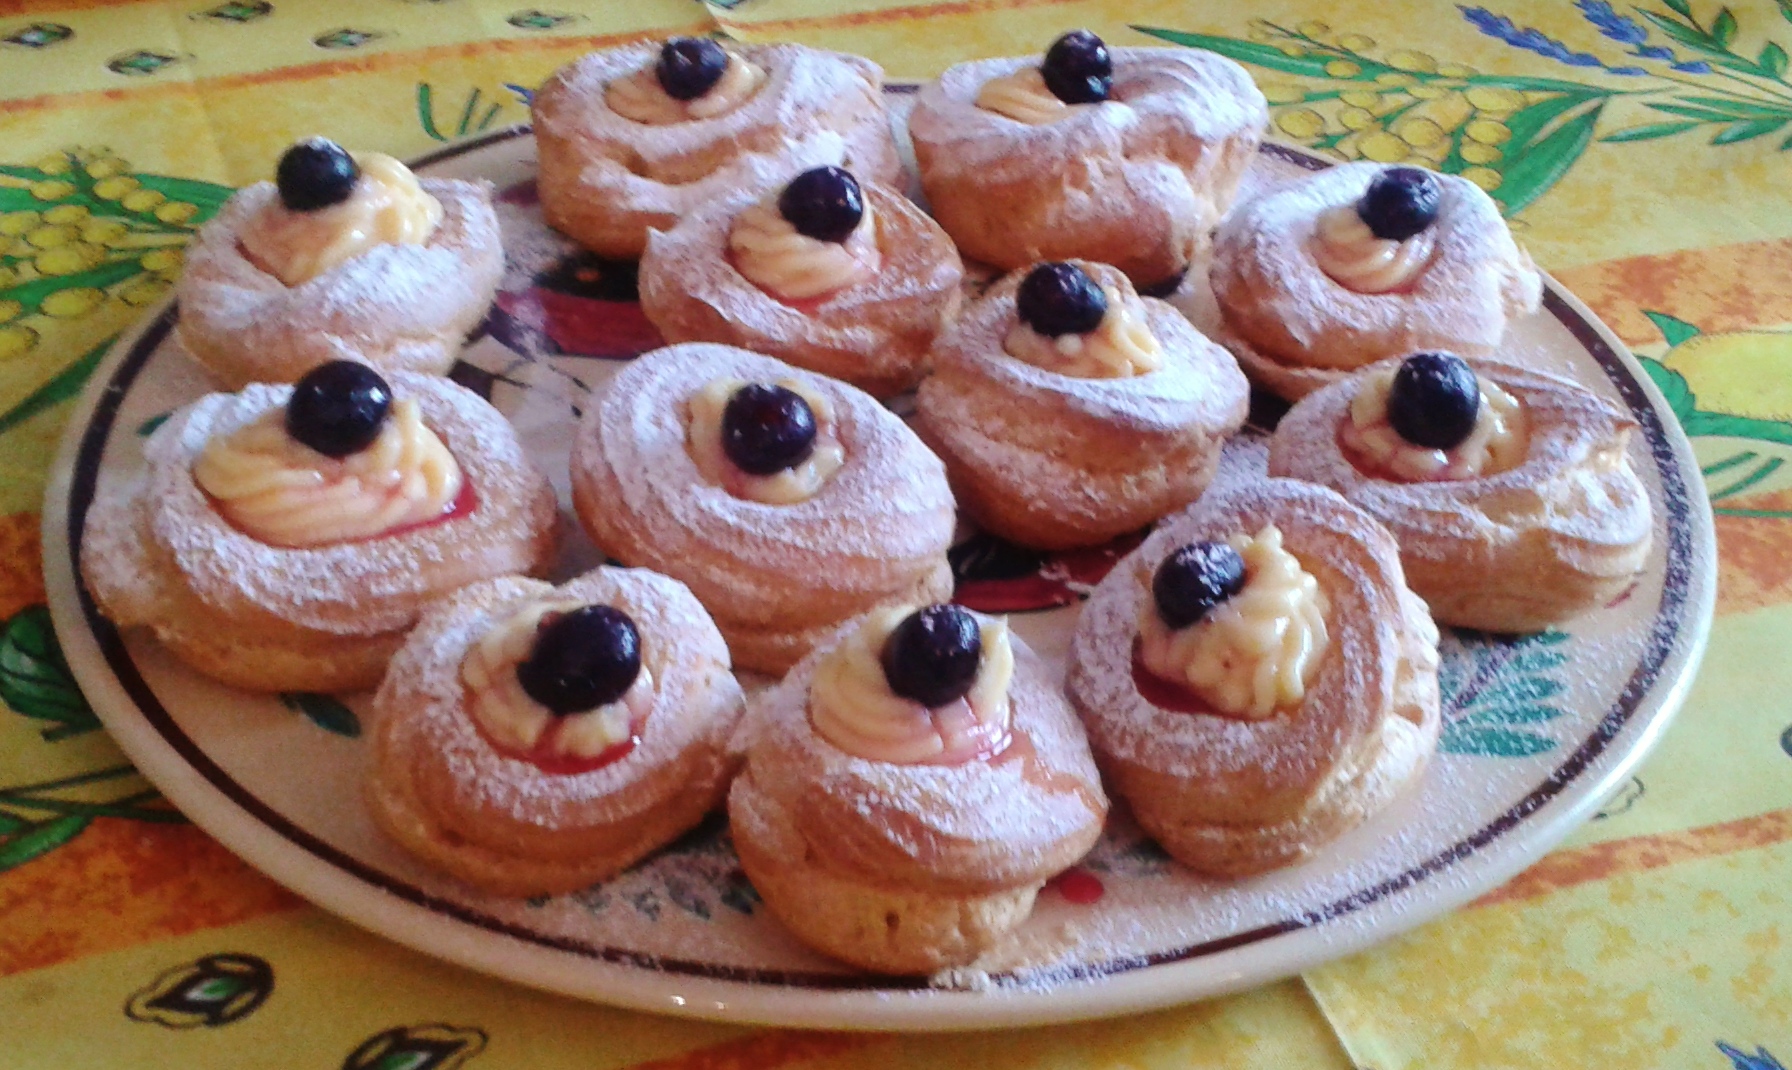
pixel 642 96
pixel 1023 97
pixel 284 493
pixel 505 712
pixel 772 254
pixel 386 207
pixel 1255 654
pixel 786 486
pixel 853 706
pixel 1496 443
pixel 1119 347
pixel 1348 250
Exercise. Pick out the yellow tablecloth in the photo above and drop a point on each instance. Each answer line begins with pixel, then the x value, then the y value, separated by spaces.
pixel 1643 153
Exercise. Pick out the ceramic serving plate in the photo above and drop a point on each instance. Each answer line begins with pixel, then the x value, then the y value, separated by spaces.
pixel 1539 730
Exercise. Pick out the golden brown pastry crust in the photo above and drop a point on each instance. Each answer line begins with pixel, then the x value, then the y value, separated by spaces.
pixel 873 334
pixel 1051 461
pixel 501 824
pixel 1232 797
pixel 156 553
pixel 1294 329
pixel 1137 181
pixel 777 578
pixel 606 180
pixel 1565 531
pixel 911 868
pixel 396 307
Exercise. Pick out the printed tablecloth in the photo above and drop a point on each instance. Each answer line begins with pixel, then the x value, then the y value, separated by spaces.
pixel 1643 152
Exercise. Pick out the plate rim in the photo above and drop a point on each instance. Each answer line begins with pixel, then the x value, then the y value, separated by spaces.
pixel 615 976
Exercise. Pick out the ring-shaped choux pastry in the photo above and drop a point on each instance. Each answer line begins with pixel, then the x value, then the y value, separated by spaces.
pixel 506 822
pixel 1054 460
pixel 1565 528
pixel 1248 790
pixel 1295 327
pixel 606 179
pixel 868 524
pixel 1137 180
pixel 159 551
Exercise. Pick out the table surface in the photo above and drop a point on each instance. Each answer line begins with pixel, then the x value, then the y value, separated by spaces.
pixel 1642 153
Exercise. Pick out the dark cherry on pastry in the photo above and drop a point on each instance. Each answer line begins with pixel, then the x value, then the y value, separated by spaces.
pixel 766 429
pixel 1058 298
pixel 825 203
pixel 1400 202
pixel 338 408
pixel 932 656
pixel 1078 69
pixel 689 67
pixel 1434 400
pixel 582 660
pixel 316 173
pixel 1194 580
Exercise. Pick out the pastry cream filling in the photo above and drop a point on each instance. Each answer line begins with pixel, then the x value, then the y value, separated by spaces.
pixel 769 253
pixel 1023 97
pixel 497 702
pixel 1256 653
pixel 1347 250
pixel 640 96
pixel 387 207
pixel 852 706
pixel 792 485
pixel 1497 443
pixel 1119 347
pixel 285 493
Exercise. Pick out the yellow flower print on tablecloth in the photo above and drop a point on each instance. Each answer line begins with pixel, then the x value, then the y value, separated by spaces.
pixel 1669 69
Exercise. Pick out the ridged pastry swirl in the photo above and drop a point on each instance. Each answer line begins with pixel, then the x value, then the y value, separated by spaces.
pixel 396 307
pixel 607 180
pixel 1566 529
pixel 874 333
pixel 827 836
pixel 776 577
pixel 1051 460
pixel 1233 797
pixel 158 553
pixel 503 824
pixel 1136 181
pixel 1295 328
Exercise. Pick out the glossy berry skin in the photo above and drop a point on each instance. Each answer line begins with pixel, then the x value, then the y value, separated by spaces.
pixel 932 656
pixel 766 429
pixel 316 173
pixel 825 204
pixel 1400 202
pixel 338 408
pixel 1059 298
pixel 690 67
pixel 1434 401
pixel 582 660
pixel 1194 579
pixel 1077 68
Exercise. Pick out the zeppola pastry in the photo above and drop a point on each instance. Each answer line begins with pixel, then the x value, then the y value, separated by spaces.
pixel 1510 491
pixel 1256 678
pixel 286 538
pixel 633 138
pixel 343 258
pixel 849 281
pixel 1126 156
pixel 1361 262
pixel 534 739
pixel 789 502
pixel 909 787
pixel 1069 409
